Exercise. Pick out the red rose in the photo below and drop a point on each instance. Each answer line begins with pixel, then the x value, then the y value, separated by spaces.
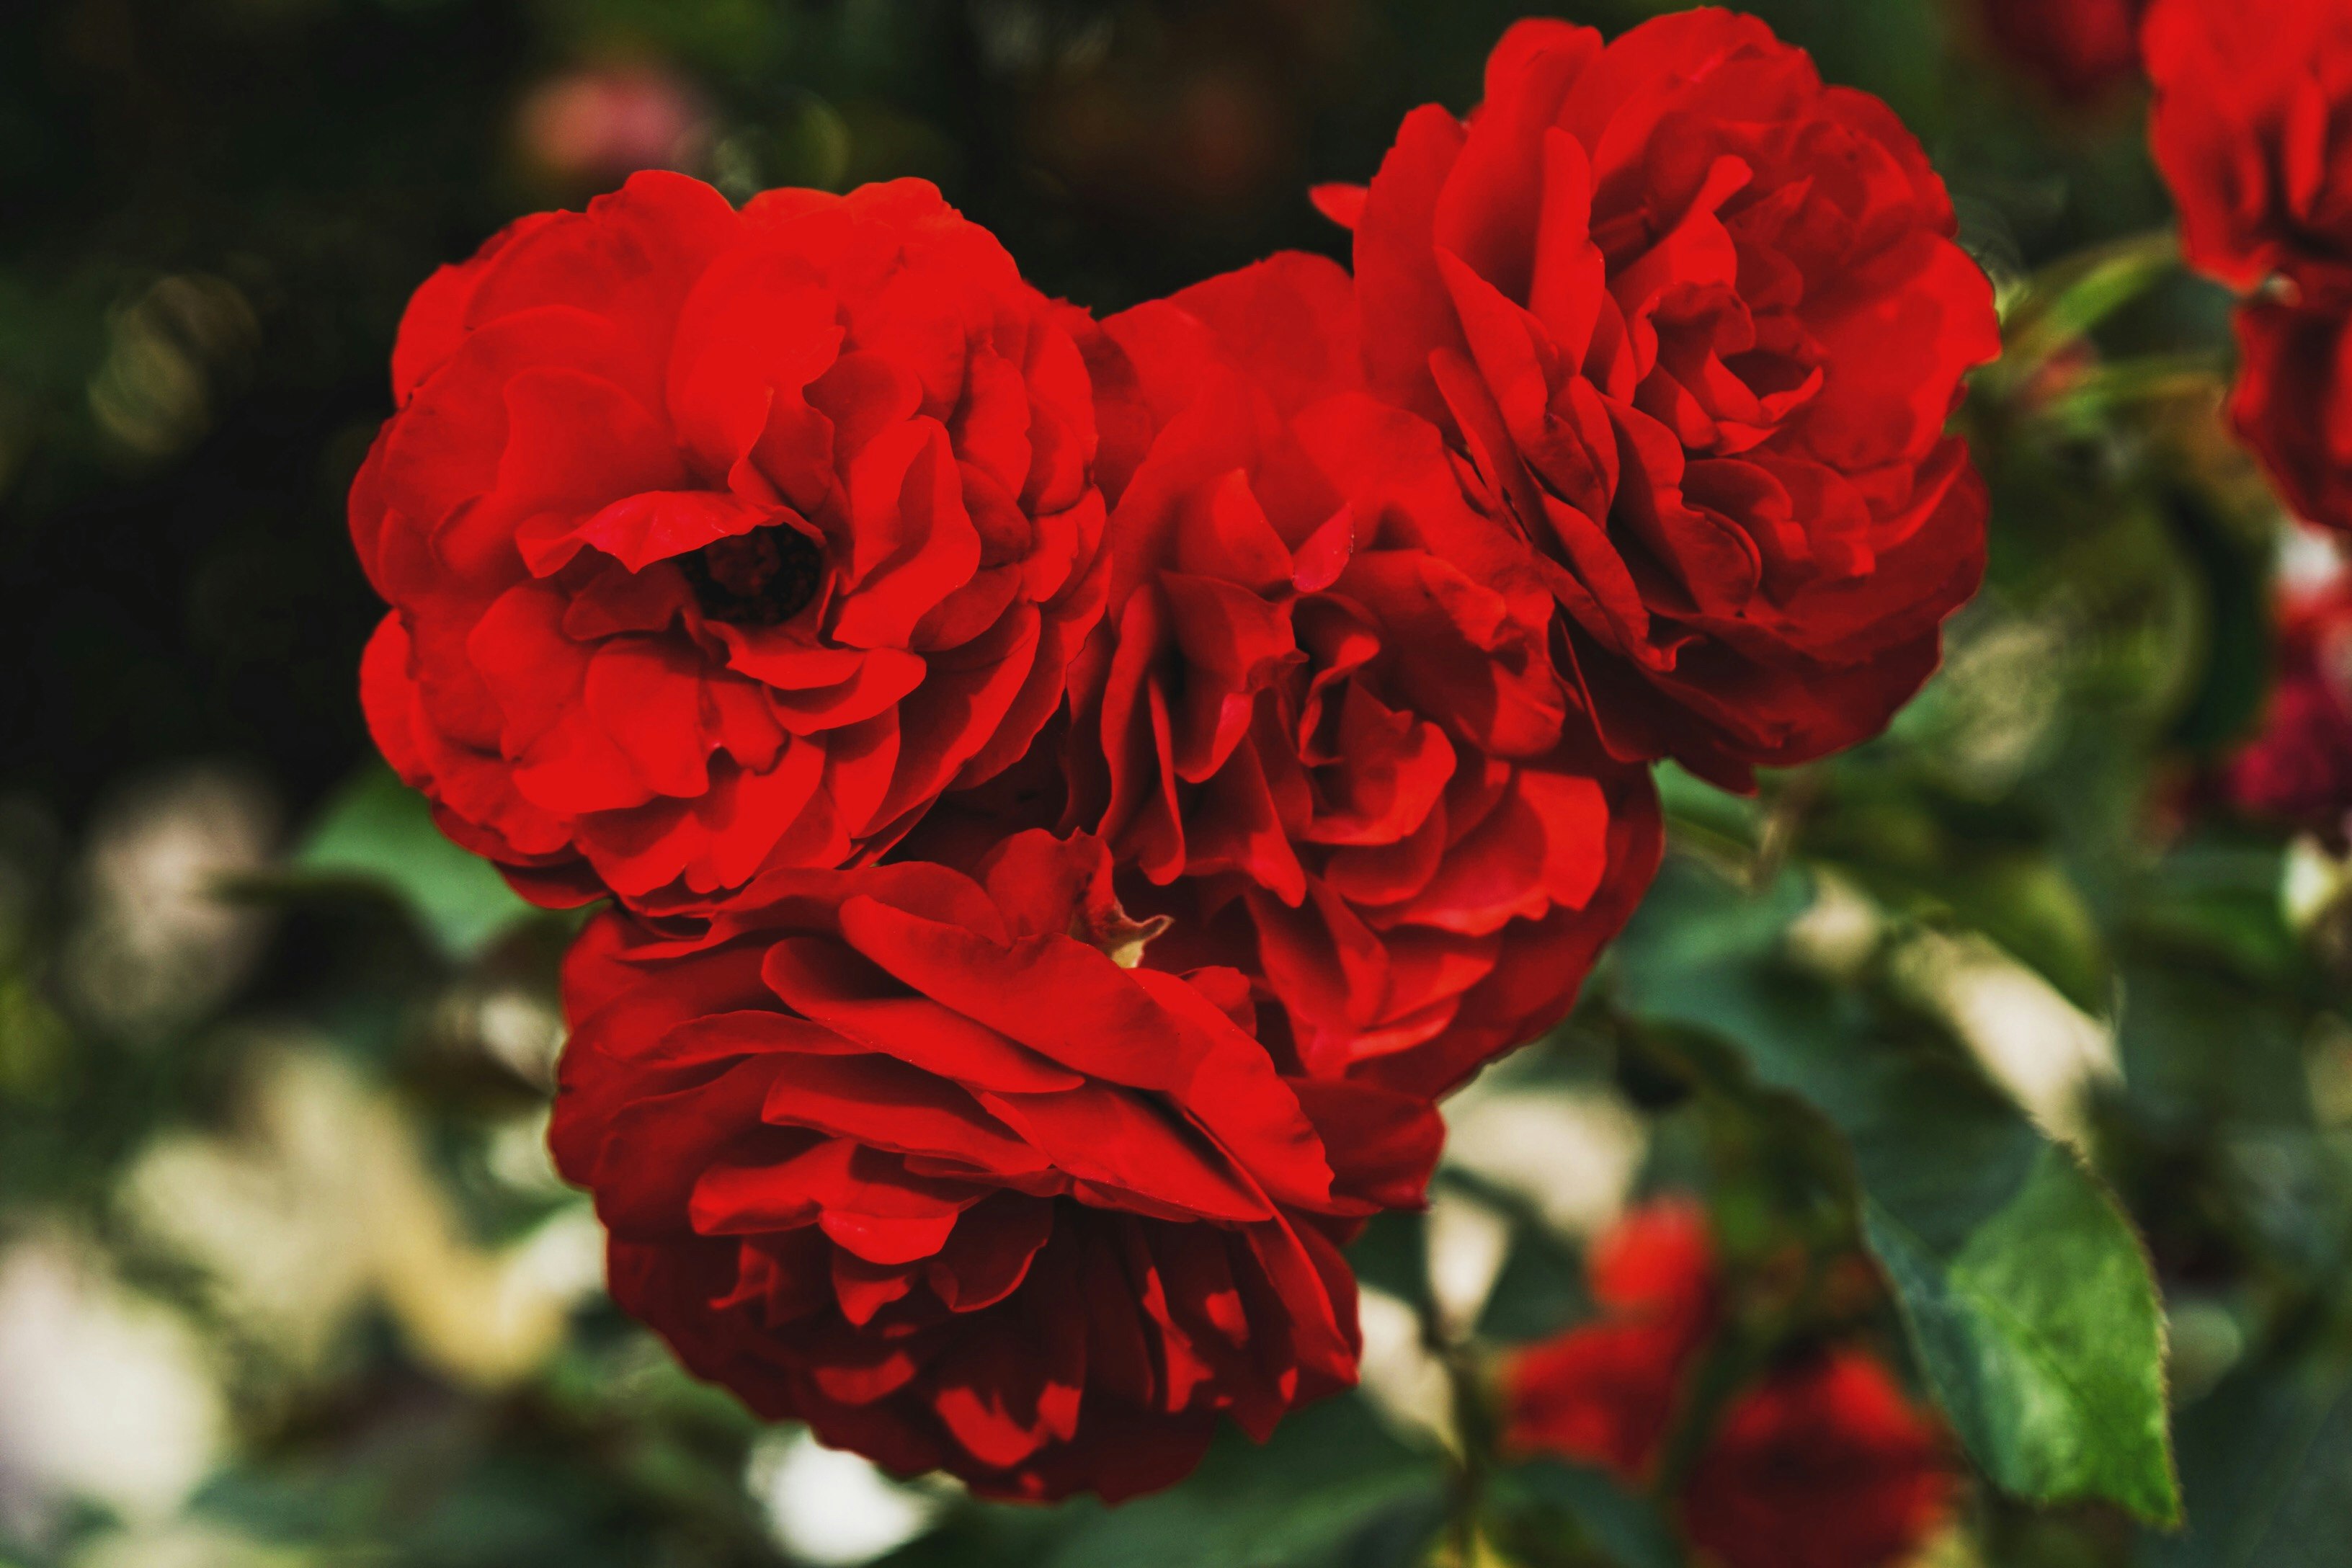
pixel 1320 710
pixel 1607 1392
pixel 718 540
pixel 2299 770
pixel 1699 321
pixel 2250 132
pixel 2077 49
pixel 906 1154
pixel 2292 403
pixel 1826 1465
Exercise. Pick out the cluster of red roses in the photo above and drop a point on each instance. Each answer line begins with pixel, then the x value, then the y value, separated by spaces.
pixel 1821 1462
pixel 1074 792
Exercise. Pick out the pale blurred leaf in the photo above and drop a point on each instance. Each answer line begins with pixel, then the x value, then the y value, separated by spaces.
pixel 1627 1528
pixel 378 832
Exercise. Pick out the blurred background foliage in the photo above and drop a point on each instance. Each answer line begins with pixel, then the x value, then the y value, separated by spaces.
pixel 285 1277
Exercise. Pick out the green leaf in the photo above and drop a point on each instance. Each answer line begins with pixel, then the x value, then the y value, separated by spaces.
pixel 2029 1299
pixel 1333 1488
pixel 2233 583
pixel 2266 1463
pixel 1699 810
pixel 1391 1253
pixel 1540 1289
pixel 2025 903
pixel 379 833
pixel 2214 898
pixel 1627 1528
pixel 2175 1009
pixel 2041 1336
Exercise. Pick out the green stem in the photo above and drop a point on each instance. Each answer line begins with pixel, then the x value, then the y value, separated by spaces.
pixel 2074 294
pixel 2151 378
pixel 1473 1427
pixel 1782 824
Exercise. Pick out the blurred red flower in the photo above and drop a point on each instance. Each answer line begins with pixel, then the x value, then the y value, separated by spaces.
pixel 601 123
pixel 909 1155
pixel 2077 49
pixel 2293 402
pixel 1322 704
pixel 2250 130
pixel 717 540
pixel 2298 769
pixel 1825 1464
pixel 1608 1393
pixel 1697 321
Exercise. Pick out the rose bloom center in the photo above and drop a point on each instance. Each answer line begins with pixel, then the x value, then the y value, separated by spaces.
pixel 762 578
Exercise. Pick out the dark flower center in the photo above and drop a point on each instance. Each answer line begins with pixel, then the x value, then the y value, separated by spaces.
pixel 762 578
